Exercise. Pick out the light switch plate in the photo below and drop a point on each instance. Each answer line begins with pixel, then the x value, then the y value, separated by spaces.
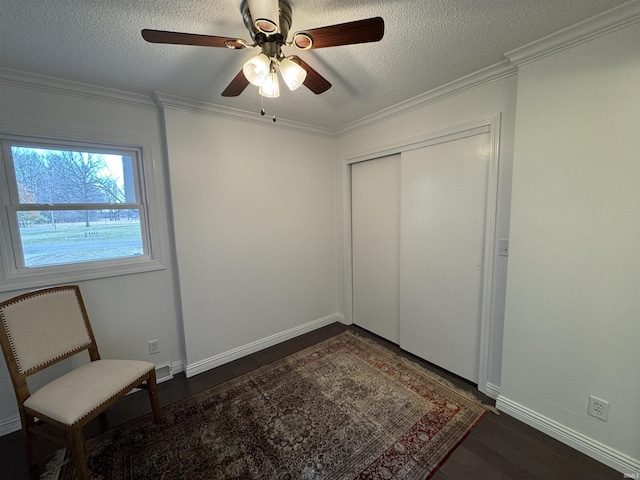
pixel 503 247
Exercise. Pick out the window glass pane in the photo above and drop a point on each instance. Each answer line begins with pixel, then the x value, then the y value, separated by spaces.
pixel 66 176
pixel 57 237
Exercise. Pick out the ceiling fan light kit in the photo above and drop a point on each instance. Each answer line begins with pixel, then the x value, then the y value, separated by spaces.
pixel 268 23
pixel 270 88
pixel 256 69
pixel 292 73
pixel 262 69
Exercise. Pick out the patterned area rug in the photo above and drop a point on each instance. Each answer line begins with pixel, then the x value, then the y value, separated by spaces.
pixel 346 408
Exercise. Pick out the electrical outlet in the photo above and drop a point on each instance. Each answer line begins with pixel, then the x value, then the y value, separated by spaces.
pixel 598 408
pixel 154 346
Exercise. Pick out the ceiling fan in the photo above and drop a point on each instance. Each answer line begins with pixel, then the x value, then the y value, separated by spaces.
pixel 268 22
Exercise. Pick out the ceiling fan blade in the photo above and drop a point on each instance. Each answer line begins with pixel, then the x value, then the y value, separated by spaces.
pixel 360 31
pixel 179 38
pixel 237 86
pixel 314 81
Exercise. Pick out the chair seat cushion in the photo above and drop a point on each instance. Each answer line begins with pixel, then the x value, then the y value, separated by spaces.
pixel 76 394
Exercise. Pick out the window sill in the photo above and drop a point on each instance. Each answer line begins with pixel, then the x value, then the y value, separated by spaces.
pixel 73 273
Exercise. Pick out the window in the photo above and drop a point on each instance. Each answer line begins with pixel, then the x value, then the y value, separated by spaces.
pixel 72 208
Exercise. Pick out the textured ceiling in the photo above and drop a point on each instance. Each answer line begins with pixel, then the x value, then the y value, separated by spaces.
pixel 427 43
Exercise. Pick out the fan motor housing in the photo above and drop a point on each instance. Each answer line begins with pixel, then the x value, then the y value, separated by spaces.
pixel 284 23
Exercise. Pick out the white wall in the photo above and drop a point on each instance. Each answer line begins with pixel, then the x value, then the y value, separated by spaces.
pixel 497 97
pixel 572 327
pixel 254 210
pixel 125 311
pixel 260 238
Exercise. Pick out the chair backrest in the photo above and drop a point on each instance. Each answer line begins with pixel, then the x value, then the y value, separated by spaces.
pixel 44 327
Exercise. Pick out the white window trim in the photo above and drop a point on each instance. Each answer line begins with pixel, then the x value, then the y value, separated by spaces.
pixel 152 224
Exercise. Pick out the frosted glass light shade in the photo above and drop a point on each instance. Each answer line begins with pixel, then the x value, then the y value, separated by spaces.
pixel 270 88
pixel 257 69
pixel 292 73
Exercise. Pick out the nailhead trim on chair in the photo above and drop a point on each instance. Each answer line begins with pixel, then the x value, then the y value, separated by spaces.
pixel 13 348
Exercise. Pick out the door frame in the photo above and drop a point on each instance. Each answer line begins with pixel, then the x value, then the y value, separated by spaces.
pixel 491 125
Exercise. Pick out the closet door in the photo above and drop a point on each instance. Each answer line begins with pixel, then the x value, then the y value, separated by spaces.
pixel 443 212
pixel 375 214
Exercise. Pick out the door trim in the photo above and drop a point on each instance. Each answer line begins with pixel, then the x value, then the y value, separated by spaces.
pixel 489 124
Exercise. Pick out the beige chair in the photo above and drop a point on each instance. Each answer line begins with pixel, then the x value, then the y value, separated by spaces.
pixel 42 328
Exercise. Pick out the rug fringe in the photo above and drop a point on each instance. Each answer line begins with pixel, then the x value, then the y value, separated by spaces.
pixel 428 373
pixel 54 464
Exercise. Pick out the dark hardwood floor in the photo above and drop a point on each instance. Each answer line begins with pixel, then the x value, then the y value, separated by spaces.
pixel 500 447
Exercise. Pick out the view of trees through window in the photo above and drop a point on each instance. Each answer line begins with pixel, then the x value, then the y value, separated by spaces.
pixel 75 206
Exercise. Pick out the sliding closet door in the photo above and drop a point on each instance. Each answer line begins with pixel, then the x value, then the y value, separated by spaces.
pixel 443 212
pixel 375 204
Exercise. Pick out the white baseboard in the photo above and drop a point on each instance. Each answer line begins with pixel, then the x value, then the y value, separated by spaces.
pixel 166 371
pixel 253 347
pixel 491 390
pixel 603 453
pixel 10 425
pixel 178 367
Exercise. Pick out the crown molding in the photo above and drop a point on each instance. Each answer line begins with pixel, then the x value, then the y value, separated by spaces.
pixel 44 83
pixel 16 78
pixel 167 101
pixel 607 22
pixel 481 77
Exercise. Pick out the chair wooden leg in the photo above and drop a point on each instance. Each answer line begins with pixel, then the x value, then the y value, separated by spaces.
pixel 78 452
pixel 30 446
pixel 152 390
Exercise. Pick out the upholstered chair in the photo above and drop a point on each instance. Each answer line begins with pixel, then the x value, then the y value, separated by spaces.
pixel 42 328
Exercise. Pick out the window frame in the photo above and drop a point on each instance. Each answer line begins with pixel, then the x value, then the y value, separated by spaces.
pixel 14 274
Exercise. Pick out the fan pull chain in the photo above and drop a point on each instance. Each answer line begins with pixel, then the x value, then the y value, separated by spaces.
pixel 263 112
pixel 274 110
